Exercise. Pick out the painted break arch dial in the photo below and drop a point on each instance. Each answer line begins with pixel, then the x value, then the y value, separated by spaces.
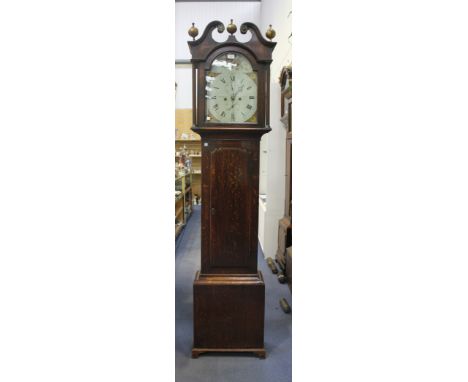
pixel 231 90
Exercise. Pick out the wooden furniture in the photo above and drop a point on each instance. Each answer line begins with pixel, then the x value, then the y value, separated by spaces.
pixel 285 224
pixel 230 113
pixel 289 266
pixel 193 147
pixel 183 201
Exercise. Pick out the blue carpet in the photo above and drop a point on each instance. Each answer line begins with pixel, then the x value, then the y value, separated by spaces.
pixel 213 367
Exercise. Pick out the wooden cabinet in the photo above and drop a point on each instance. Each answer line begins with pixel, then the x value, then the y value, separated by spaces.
pixel 283 257
pixel 230 217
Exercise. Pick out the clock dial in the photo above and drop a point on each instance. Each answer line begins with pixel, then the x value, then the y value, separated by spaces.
pixel 231 91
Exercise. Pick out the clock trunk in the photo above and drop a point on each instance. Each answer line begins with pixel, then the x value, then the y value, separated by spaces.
pixel 230 168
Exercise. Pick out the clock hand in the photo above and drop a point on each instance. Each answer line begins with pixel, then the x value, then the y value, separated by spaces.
pixel 239 90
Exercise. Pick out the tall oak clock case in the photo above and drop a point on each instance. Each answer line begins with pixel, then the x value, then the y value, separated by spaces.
pixel 231 113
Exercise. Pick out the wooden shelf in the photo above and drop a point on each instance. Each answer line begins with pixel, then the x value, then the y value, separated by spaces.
pixel 190 183
pixel 179 210
pixel 178 229
pixel 182 176
pixel 184 199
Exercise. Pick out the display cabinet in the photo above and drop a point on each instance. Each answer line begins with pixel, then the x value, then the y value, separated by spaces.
pixel 183 201
pixel 193 149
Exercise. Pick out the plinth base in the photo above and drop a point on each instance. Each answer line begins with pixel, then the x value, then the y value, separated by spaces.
pixel 260 353
pixel 228 314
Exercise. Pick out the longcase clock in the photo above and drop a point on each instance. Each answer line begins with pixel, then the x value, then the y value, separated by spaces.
pixel 231 113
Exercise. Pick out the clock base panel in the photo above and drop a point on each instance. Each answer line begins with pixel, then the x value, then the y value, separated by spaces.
pixel 229 313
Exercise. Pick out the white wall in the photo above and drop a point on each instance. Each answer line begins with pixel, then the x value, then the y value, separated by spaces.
pixel 272 149
pixel 183 77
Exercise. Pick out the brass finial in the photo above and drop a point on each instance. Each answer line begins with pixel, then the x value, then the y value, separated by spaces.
pixel 270 33
pixel 193 31
pixel 231 28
